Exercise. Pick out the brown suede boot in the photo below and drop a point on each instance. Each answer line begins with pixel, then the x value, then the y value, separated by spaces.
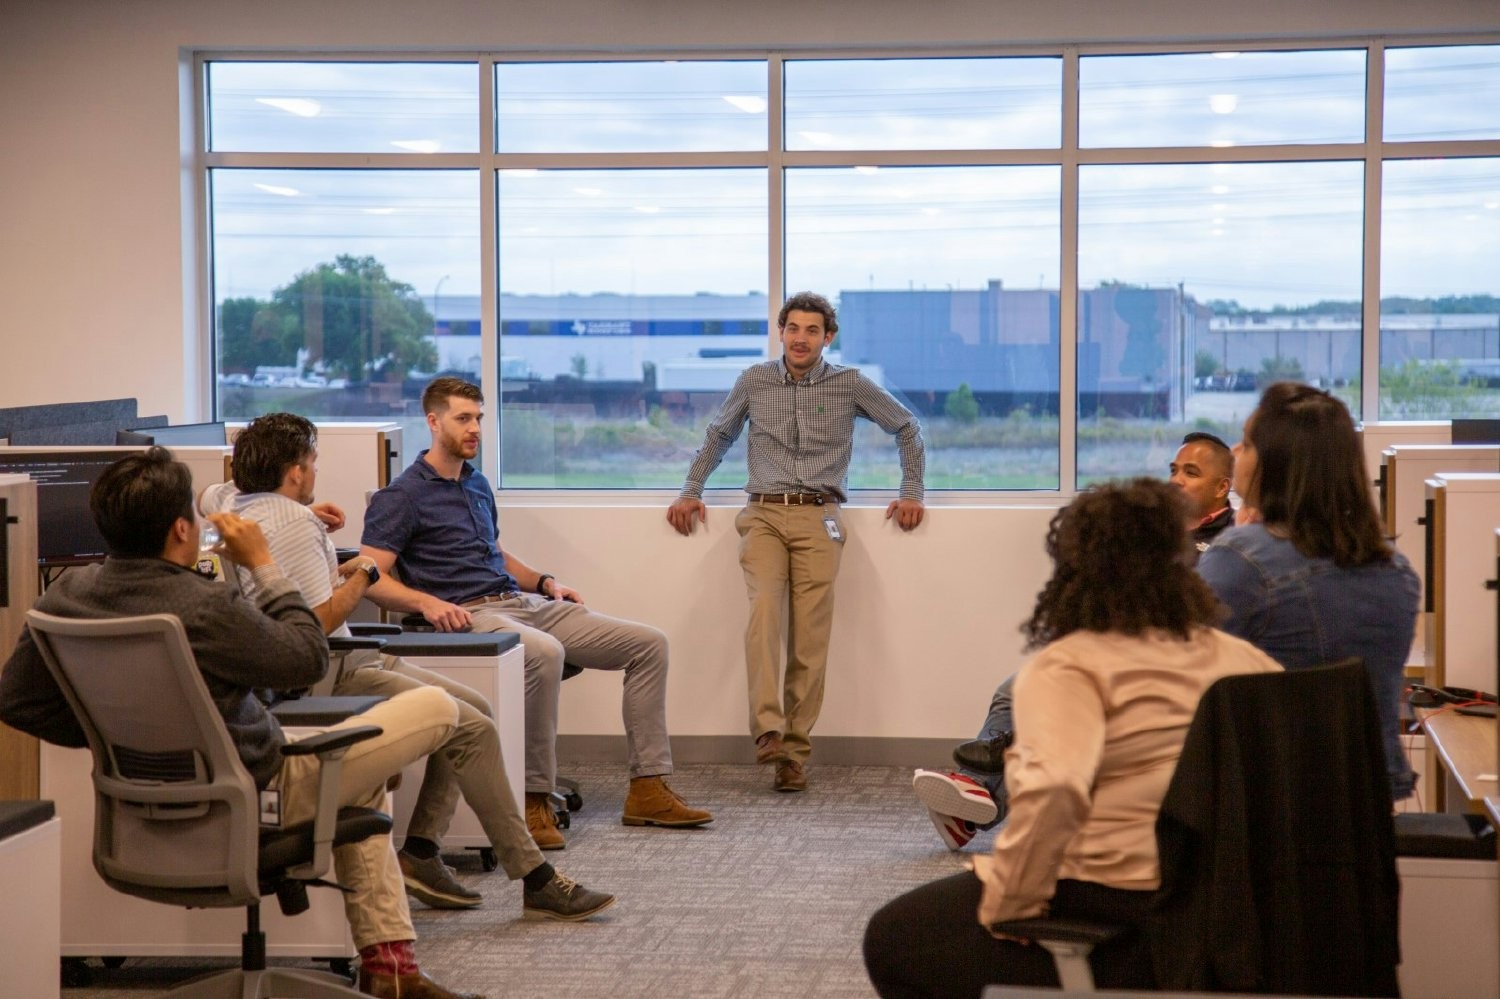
pixel 541 820
pixel 414 986
pixel 652 803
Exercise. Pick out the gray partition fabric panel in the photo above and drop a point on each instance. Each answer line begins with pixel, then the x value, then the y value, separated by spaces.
pixel 116 412
pixel 67 435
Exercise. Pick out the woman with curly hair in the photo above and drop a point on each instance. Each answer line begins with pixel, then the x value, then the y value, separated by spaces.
pixel 1312 579
pixel 1127 646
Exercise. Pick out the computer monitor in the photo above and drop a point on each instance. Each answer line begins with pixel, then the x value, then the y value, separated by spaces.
pixel 65 531
pixel 211 434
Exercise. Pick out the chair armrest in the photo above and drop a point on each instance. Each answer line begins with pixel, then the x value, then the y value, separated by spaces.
pixel 1076 931
pixel 371 629
pixel 328 742
pixel 1069 941
pixel 338 643
pixel 318 712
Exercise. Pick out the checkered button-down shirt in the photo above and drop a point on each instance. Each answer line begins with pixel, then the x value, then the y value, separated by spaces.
pixel 802 432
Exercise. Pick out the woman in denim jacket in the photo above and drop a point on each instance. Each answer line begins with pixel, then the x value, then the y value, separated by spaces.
pixel 1313 580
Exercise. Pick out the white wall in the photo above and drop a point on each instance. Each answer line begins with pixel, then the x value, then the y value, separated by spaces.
pixel 96 271
pixel 925 625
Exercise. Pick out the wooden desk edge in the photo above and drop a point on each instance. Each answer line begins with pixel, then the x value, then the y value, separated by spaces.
pixel 1466 746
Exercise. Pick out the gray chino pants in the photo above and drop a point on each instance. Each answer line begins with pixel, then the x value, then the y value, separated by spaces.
pixel 553 631
pixel 468 762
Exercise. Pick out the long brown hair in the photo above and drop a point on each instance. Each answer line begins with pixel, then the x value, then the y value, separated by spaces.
pixel 1120 564
pixel 1310 480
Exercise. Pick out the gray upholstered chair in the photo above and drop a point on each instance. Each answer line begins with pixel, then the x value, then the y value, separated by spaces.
pixel 177 816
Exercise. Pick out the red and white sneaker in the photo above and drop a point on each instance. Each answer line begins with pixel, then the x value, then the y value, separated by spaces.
pixel 956 795
pixel 955 833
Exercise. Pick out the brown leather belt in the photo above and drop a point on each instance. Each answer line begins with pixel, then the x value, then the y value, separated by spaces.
pixel 489 599
pixel 793 499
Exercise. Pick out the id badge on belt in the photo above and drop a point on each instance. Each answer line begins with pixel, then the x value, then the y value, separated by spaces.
pixel 832 527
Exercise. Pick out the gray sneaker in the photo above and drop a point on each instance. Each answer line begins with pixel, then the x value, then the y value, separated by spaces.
pixel 432 881
pixel 565 899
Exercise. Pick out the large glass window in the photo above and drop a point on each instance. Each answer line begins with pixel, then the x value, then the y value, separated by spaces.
pixel 1221 99
pixel 343 107
pixel 1439 94
pixel 923 104
pixel 1440 289
pixel 327 284
pixel 1198 285
pixel 597 107
pixel 945 280
pixel 647 213
pixel 628 306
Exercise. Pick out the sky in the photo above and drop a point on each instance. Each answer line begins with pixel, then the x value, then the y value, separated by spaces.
pixel 1262 233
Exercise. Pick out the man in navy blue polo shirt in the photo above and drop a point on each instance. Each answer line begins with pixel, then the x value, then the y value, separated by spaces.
pixel 437 527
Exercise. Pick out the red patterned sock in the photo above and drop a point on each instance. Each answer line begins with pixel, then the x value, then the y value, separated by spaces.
pixel 394 957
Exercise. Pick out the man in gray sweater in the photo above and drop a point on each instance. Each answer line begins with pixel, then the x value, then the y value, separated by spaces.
pixel 143 505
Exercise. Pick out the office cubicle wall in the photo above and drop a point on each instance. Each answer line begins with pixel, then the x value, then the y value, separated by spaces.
pixel 18 590
pixel 1405 470
pixel 1462 636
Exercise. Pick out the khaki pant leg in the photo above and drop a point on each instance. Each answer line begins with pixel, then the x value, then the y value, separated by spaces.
pixel 414 724
pixel 764 559
pixel 814 565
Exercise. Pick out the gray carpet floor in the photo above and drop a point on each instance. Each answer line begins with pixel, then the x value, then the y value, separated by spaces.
pixel 769 900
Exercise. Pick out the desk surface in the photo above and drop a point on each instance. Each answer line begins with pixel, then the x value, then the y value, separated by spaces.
pixel 1467 746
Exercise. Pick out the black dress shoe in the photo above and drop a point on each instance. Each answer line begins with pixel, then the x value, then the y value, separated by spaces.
pixel 987 756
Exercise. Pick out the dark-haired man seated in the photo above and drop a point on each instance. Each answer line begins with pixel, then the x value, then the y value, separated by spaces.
pixel 143 506
pixel 275 471
pixel 963 802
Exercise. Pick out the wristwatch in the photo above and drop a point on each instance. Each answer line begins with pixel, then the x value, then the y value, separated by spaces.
pixel 372 572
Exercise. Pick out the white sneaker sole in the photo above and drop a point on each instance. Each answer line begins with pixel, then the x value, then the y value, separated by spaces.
pixel 944 795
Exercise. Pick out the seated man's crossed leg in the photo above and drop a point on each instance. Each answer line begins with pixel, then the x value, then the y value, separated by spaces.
pixel 554 630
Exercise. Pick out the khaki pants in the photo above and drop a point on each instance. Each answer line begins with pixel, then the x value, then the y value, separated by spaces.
pixel 414 723
pixel 790 565
pixel 469 763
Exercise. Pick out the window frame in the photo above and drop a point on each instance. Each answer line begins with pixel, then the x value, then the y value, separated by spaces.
pixel 1374 151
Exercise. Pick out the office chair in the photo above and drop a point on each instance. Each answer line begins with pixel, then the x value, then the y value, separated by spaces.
pixel 177 816
pixel 1278 869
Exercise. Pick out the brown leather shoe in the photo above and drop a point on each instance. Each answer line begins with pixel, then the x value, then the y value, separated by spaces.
pixel 768 748
pixel 790 776
pixel 416 986
pixel 541 820
pixel 652 803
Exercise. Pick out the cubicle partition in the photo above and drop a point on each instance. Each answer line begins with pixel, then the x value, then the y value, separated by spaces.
pixel 1462 637
pixel 18 590
pixel 1405 469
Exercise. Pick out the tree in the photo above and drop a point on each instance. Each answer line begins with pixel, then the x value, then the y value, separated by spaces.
pixel 961 406
pixel 1279 369
pixel 353 319
pixel 252 334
